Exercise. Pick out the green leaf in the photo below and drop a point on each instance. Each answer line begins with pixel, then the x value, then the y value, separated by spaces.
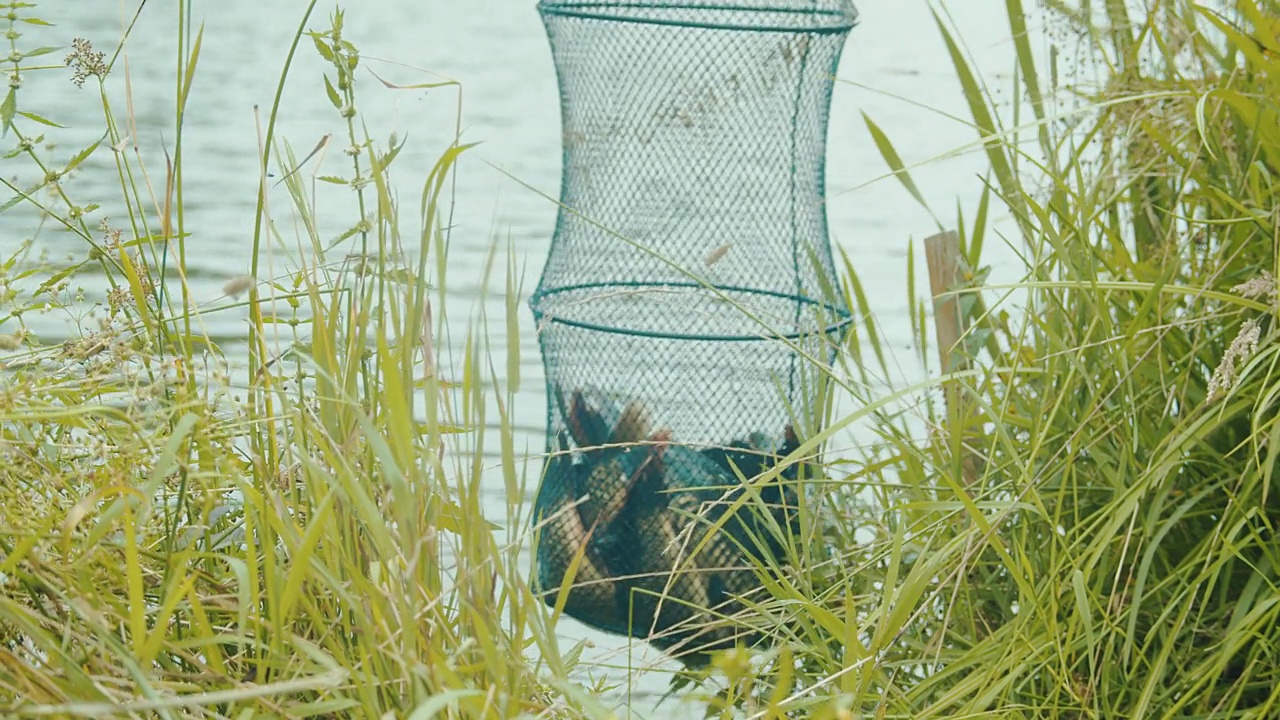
pixel 1027 64
pixel 40 119
pixel 40 51
pixel 81 157
pixel 19 195
pixel 322 48
pixel 978 234
pixel 7 110
pixel 984 123
pixel 188 75
pixel 892 159
pixel 57 277
pixel 332 92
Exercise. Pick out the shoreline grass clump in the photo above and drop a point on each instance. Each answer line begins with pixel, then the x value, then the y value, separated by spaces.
pixel 187 536
pixel 1093 534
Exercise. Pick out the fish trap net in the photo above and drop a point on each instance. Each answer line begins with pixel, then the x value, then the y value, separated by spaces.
pixel 688 309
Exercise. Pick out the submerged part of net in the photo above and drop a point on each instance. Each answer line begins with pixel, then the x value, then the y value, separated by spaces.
pixel 689 306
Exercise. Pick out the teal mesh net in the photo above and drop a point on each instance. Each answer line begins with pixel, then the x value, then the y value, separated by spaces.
pixel 686 309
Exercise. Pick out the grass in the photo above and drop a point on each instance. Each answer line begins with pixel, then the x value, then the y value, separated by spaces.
pixel 292 539
pixel 1112 555
pixel 1089 533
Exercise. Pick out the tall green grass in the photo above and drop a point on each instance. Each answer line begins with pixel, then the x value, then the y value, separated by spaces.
pixel 1095 536
pixel 302 537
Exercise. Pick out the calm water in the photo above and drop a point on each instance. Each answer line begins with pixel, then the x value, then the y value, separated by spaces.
pixel 895 69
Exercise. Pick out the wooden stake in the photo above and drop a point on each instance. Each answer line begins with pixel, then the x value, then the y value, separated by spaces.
pixel 942 251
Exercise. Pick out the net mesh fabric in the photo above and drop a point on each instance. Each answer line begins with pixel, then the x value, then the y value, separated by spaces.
pixel 690 278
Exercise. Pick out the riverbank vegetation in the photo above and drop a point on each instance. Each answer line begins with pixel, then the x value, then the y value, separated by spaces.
pixel 1077 521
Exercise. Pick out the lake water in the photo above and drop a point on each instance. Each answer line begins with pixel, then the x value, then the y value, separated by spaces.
pixel 895 68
